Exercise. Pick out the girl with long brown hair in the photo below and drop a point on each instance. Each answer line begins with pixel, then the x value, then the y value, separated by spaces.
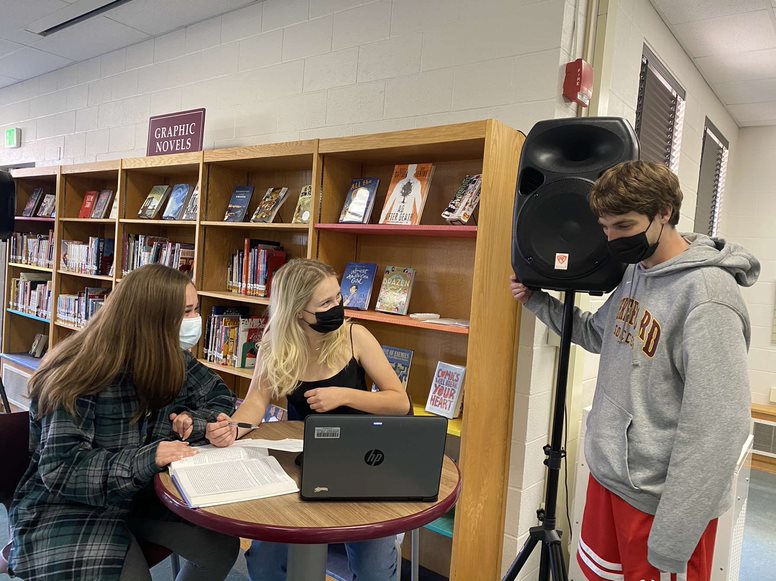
pixel 103 403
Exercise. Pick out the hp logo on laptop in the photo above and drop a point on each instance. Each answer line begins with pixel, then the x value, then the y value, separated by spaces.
pixel 374 457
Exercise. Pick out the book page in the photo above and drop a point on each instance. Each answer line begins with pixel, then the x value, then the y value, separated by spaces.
pixel 212 455
pixel 286 445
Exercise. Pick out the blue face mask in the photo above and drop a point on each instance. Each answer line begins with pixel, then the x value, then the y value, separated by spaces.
pixel 190 332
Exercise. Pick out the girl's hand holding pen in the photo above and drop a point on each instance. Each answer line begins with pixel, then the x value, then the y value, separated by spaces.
pixel 220 433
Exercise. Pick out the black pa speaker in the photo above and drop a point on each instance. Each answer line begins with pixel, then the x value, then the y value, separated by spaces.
pixel 7 205
pixel 557 242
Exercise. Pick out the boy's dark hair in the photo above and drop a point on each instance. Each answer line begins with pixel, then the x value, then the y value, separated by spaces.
pixel 637 186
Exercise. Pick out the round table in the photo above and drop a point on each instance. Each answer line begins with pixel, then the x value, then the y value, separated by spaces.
pixel 310 526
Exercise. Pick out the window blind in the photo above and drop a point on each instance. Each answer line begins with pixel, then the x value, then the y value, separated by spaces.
pixel 711 182
pixel 659 112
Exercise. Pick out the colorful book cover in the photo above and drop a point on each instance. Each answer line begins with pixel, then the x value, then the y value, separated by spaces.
pixel 401 361
pixel 154 202
pixel 249 335
pixel 87 206
pixel 407 194
pixel 460 208
pixel 275 413
pixel 445 395
pixel 192 207
pixel 179 197
pixel 47 206
pixel 357 282
pixel 33 202
pixel 270 203
pixel 396 290
pixel 104 199
pixel 359 201
pixel 302 211
pixel 238 204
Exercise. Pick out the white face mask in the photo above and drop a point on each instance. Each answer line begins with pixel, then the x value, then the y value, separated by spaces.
pixel 191 331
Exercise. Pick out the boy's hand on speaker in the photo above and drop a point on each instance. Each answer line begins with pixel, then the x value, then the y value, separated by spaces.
pixel 521 292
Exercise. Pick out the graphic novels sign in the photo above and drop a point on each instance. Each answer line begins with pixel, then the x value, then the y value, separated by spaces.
pixel 179 132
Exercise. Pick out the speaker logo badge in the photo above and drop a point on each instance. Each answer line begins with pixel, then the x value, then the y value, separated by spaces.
pixel 561 261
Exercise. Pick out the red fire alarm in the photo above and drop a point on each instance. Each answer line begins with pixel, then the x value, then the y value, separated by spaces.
pixel 578 84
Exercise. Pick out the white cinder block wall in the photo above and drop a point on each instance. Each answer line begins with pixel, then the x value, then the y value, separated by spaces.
pixel 749 217
pixel 294 69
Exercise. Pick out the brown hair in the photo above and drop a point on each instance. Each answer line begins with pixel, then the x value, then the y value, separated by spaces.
pixel 637 186
pixel 135 332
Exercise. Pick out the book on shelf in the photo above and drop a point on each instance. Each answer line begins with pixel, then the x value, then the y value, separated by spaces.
pixel 87 206
pixel 33 202
pixel 141 249
pixel 31 293
pixel 401 361
pixel 357 282
pixel 217 476
pixel 446 394
pixel 93 257
pixel 465 200
pixel 359 202
pixel 249 332
pixel 221 317
pixel 114 209
pixel 275 413
pixel 39 345
pixel 48 206
pixel 250 269
pixel 302 210
pixel 269 205
pixel 238 204
pixel 32 248
pixel 154 202
pixel 176 205
pixel 395 290
pixel 192 206
pixel 78 309
pixel 104 199
pixel 407 194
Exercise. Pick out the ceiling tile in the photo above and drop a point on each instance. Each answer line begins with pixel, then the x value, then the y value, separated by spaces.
pixel 678 11
pixel 7 47
pixel 740 92
pixel 154 17
pixel 91 37
pixel 17 14
pixel 28 62
pixel 737 33
pixel 742 66
pixel 753 114
pixel 5 81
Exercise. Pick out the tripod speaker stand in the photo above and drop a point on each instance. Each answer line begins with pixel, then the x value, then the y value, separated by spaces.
pixel 552 565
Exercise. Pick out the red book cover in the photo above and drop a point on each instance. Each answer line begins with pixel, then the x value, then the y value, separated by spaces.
pixel 88 205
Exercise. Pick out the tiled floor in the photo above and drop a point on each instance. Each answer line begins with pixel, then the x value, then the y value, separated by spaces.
pixel 758 559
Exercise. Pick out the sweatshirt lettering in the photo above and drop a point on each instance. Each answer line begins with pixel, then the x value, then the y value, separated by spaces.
pixel 649 329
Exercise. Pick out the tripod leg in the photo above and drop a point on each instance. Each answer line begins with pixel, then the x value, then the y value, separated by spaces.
pixel 557 566
pixel 521 558
pixel 545 564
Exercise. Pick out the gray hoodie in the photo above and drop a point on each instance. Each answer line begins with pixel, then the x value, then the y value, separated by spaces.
pixel 671 410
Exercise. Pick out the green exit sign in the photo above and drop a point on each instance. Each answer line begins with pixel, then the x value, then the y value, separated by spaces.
pixel 13 137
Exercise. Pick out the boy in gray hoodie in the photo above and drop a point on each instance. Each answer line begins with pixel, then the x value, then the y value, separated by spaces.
pixel 671 410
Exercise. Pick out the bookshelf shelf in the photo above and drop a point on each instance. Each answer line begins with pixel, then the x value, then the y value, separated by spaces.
pixel 83 275
pixel 431 230
pixel 158 222
pixel 89 220
pixel 34 219
pixel 227 296
pixel 246 373
pixel 65 325
pixel 30 267
pixel 23 359
pixel 453 426
pixel 403 320
pixel 258 226
pixel 28 315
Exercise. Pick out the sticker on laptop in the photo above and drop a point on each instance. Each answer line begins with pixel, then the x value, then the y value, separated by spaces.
pixel 327 433
pixel 561 261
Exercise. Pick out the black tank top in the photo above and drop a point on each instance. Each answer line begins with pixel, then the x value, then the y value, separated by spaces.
pixel 352 375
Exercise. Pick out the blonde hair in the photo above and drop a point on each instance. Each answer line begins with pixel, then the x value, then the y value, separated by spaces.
pixel 284 352
pixel 136 333
pixel 637 186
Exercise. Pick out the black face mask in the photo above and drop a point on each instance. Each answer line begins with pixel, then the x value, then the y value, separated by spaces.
pixel 328 321
pixel 633 249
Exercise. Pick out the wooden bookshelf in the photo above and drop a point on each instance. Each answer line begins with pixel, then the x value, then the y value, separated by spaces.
pixel 462 271
pixel 34 267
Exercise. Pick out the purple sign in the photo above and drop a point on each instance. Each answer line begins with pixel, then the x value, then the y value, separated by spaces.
pixel 176 132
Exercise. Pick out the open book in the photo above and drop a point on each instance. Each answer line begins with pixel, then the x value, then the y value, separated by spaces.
pixel 223 475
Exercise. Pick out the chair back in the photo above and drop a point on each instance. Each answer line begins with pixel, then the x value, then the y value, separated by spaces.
pixel 15 455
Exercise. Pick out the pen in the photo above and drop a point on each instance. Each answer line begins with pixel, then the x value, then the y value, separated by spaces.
pixel 245 425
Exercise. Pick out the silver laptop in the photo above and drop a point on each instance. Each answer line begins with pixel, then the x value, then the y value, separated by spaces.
pixel 362 457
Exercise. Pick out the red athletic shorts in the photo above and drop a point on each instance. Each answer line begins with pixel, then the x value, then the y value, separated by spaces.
pixel 613 543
